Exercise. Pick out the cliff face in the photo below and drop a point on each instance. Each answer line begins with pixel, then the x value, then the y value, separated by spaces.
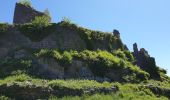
pixel 25 14
pixel 62 37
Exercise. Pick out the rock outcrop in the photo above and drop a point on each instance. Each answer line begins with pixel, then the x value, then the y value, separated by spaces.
pixel 116 33
pixel 25 14
pixel 145 62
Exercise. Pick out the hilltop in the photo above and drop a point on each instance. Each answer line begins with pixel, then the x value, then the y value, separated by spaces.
pixel 44 60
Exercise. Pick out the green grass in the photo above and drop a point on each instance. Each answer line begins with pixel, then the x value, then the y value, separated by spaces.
pixel 117 96
pixel 79 84
pixel 125 91
pixel 98 61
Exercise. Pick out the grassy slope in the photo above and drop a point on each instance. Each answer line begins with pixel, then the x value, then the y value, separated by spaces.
pixel 15 72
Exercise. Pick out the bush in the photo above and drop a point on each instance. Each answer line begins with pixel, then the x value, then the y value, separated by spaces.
pixel 41 21
pixel 3 28
pixel 129 56
pixel 14 66
pixel 119 53
pixel 67 58
pixel 38 29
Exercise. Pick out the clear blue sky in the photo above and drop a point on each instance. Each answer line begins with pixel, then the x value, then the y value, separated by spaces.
pixel 146 22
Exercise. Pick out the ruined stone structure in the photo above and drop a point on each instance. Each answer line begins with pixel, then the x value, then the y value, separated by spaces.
pixel 25 14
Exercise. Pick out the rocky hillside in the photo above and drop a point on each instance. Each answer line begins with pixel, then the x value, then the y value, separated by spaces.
pixel 44 60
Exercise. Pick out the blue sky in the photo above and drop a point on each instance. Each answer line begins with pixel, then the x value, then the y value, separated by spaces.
pixel 146 22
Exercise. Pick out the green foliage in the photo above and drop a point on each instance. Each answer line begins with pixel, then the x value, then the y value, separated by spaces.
pixel 100 62
pixel 92 37
pixel 129 56
pixel 113 96
pixel 119 53
pixel 126 55
pixel 67 58
pixel 25 2
pixel 38 29
pixel 3 28
pixel 64 58
pixel 162 70
pixel 125 91
pixel 45 53
pixel 4 98
pixel 79 84
pixel 41 21
pixel 14 66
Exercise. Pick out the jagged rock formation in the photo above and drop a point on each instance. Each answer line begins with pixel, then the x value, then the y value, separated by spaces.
pixel 116 33
pixel 145 62
pixel 25 14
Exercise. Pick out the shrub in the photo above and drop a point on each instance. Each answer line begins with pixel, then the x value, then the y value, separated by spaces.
pixel 129 56
pixel 126 55
pixel 119 53
pixel 41 21
pixel 44 53
pixel 38 29
pixel 14 66
pixel 3 28
pixel 4 98
pixel 67 58
pixel 25 3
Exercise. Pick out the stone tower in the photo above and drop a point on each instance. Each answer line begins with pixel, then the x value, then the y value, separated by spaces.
pixel 25 14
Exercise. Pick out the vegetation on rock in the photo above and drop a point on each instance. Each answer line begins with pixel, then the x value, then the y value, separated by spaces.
pixel 25 3
pixel 3 28
pixel 38 28
pixel 103 69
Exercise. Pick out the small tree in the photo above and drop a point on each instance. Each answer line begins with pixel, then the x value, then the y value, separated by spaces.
pixel 3 28
pixel 41 21
pixel 66 19
pixel 25 2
